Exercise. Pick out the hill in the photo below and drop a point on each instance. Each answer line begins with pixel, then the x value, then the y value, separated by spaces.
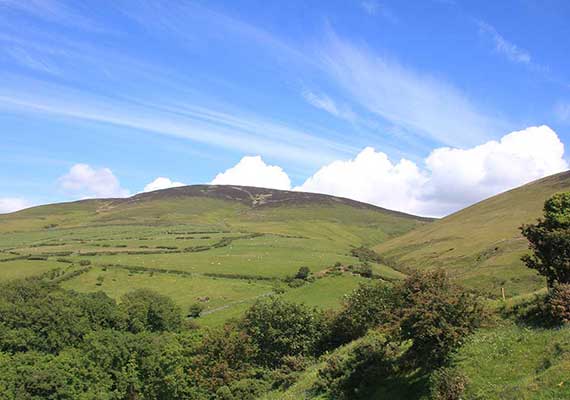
pixel 220 245
pixel 481 245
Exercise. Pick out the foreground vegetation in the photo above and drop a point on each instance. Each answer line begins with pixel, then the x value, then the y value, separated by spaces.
pixel 204 310
pixel 57 344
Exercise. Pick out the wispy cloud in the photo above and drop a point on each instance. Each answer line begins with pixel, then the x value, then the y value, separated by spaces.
pixel 562 111
pixel 327 104
pixel 503 46
pixel 420 103
pixel 235 131
pixel 54 11
pixel 374 8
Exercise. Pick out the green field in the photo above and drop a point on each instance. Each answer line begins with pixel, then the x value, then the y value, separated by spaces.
pixel 228 244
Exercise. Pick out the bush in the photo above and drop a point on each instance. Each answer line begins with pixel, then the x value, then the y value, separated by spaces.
pixel 291 369
pixel 368 306
pixel 281 328
pixel 447 384
pixel 436 316
pixel 84 263
pixel 549 240
pixel 245 389
pixel 225 355
pixel 303 273
pixel 349 376
pixel 558 303
pixel 147 310
pixel 196 310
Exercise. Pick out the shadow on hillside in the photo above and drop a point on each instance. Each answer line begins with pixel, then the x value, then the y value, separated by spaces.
pixel 410 387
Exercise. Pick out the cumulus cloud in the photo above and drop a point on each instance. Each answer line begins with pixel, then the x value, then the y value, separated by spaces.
pixel 370 177
pixel 161 183
pixel 253 171
pixel 450 178
pixel 11 204
pixel 85 181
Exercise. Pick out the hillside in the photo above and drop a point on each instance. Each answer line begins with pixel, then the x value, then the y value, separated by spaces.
pixel 226 244
pixel 481 245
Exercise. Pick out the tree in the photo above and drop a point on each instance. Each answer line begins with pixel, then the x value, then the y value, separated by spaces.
pixel 436 315
pixel 355 373
pixel 303 273
pixel 195 310
pixel 280 328
pixel 147 310
pixel 549 240
pixel 368 306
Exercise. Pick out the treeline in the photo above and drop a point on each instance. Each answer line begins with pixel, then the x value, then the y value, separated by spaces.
pixel 58 344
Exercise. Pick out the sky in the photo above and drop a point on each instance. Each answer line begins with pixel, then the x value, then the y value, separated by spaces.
pixel 419 106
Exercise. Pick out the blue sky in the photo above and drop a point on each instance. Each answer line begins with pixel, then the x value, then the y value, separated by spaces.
pixel 135 90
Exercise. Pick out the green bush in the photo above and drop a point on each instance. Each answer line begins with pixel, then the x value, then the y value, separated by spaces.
pixel 558 303
pixel 351 375
pixel 223 356
pixel 280 328
pixel 436 315
pixel 368 306
pixel 147 310
pixel 303 273
pixel 549 240
pixel 196 310
pixel 447 384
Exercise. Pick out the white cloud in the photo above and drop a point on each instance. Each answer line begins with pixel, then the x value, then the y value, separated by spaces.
pixel 450 179
pixel 253 171
pixel 161 183
pixel 11 204
pixel 327 104
pixel 374 8
pixel 503 46
pixel 85 181
pixel 370 177
pixel 417 102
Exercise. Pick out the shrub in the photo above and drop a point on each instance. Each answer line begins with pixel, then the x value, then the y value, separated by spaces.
pixel 295 283
pixel 447 384
pixel 436 316
pixel 290 370
pixel 281 328
pixel 196 310
pixel 368 306
pixel 147 310
pixel 303 273
pixel 84 263
pixel 225 355
pixel 349 376
pixel 245 389
pixel 558 303
pixel 549 240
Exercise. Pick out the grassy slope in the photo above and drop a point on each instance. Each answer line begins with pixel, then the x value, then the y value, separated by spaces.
pixel 296 229
pixel 481 244
pixel 501 363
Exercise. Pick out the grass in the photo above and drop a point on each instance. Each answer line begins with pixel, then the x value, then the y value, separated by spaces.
pixel 512 362
pixel 20 269
pixel 325 293
pixel 480 245
pixel 184 290
pixel 198 235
